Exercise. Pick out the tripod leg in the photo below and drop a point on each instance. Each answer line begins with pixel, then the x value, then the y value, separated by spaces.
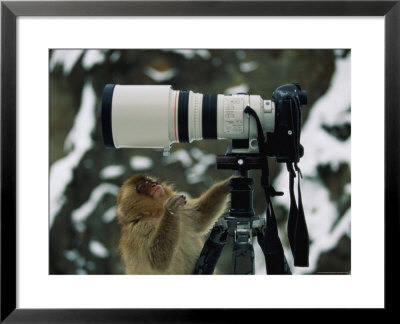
pixel 243 259
pixel 243 253
pixel 211 251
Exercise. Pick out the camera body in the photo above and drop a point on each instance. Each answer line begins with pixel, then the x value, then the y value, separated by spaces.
pixel 156 116
pixel 284 142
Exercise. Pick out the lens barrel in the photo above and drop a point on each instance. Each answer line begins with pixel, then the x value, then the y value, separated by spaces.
pixel 155 116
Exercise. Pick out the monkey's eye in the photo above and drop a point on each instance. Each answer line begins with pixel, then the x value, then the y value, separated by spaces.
pixel 140 187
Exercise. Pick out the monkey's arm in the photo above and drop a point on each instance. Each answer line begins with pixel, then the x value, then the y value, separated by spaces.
pixel 211 205
pixel 165 239
pixel 163 242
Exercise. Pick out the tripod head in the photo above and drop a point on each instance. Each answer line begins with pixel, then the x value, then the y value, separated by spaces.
pixel 242 220
pixel 241 194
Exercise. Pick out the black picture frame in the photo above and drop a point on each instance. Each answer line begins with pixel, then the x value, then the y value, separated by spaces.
pixel 11 10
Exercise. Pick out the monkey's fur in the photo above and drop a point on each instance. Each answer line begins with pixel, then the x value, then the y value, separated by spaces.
pixel 165 235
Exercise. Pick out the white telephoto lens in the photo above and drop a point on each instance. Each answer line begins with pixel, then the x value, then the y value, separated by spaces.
pixel 155 116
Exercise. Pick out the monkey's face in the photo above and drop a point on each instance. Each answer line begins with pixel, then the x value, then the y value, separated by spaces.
pixel 141 196
pixel 150 187
pixel 143 187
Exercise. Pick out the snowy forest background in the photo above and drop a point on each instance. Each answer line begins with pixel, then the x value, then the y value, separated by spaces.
pixel 85 177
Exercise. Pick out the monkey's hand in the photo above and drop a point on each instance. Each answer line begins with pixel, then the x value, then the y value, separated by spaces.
pixel 174 203
pixel 222 187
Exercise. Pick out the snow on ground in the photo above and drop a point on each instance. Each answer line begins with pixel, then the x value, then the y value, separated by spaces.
pixel 160 76
pixel 181 156
pixel 110 214
pixel 140 163
pixel 191 53
pixel 241 88
pixel 77 143
pixel 80 215
pixel 69 58
pixel 331 109
pixel 98 249
pixel 321 148
pixel 66 58
pixel 247 67
pixel 92 57
pixel 75 257
pixel 80 262
pixel 115 55
pixel 196 173
pixel 112 172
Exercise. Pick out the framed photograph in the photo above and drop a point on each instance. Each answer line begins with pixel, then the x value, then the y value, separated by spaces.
pixel 62 255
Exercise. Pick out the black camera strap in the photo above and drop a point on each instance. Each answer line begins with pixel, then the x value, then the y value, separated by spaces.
pixel 269 240
pixel 297 227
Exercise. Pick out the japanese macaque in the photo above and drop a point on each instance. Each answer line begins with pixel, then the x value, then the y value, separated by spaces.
pixel 163 232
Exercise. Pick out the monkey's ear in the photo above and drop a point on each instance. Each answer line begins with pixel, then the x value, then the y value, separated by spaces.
pixel 121 217
pixel 126 217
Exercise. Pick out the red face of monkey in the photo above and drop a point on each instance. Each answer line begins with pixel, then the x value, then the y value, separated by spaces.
pixel 150 188
pixel 141 196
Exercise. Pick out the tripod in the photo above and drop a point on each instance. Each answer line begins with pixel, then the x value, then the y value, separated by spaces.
pixel 242 222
